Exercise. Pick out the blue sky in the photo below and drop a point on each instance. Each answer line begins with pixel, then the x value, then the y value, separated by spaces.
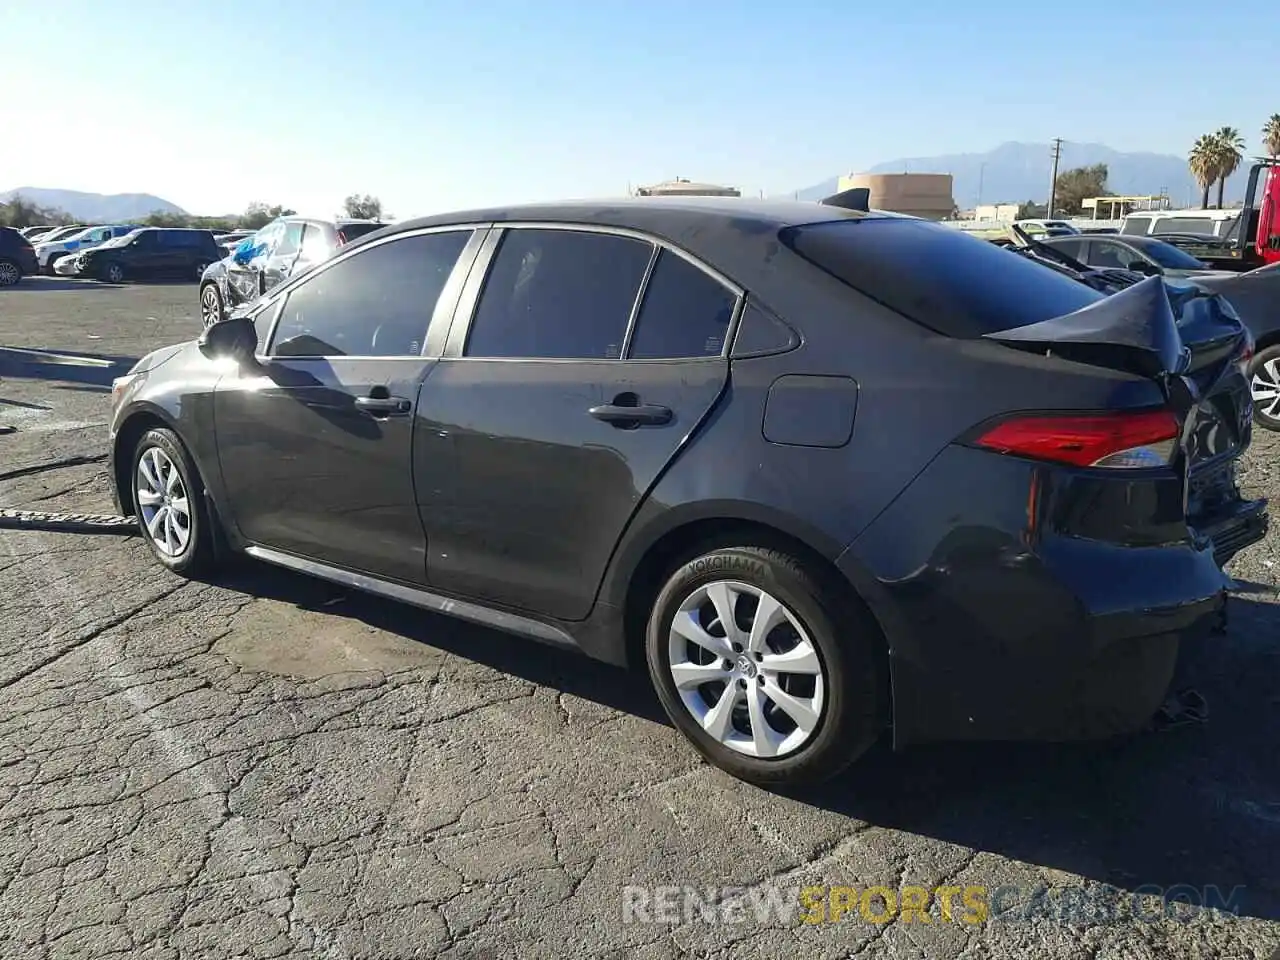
pixel 434 106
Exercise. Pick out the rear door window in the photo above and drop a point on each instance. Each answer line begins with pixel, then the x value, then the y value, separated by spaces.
pixel 685 313
pixel 558 294
pixel 956 285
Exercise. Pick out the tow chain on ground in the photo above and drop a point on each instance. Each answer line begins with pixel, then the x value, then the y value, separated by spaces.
pixel 67 522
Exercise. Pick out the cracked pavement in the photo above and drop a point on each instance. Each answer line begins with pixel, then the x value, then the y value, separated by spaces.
pixel 266 766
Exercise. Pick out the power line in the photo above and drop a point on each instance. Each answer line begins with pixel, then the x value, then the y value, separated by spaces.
pixel 1053 181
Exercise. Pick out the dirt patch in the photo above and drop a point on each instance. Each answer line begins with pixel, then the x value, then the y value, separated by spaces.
pixel 276 637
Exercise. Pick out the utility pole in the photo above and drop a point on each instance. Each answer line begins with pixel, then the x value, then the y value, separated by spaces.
pixel 1053 183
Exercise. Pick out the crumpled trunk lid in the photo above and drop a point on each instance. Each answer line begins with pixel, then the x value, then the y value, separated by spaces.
pixel 1190 341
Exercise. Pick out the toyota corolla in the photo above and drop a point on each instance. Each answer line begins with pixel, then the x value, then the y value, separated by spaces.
pixel 822 472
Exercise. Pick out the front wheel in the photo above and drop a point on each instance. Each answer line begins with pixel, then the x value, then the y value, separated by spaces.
pixel 168 500
pixel 200 268
pixel 113 273
pixel 771 675
pixel 210 305
pixel 1264 385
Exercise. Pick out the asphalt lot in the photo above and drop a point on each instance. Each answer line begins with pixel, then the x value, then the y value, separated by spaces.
pixel 268 767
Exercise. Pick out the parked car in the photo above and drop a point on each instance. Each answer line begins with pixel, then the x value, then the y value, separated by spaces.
pixel 229 241
pixel 49 252
pixel 60 233
pixel 628 428
pixel 1256 298
pixel 17 257
pixel 34 233
pixel 151 253
pixel 284 247
pixel 1051 228
pixel 1146 255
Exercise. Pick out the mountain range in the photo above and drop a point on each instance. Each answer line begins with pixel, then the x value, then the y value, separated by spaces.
pixel 1014 172
pixel 95 207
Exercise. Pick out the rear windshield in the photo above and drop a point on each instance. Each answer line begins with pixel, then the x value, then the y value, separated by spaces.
pixel 956 285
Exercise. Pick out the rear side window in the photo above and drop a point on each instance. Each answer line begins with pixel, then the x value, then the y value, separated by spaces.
pixel 1185 225
pixel 685 313
pixel 956 285
pixel 1136 225
pixel 558 294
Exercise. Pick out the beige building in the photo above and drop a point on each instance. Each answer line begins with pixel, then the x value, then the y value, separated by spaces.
pixel 687 188
pixel 996 211
pixel 925 195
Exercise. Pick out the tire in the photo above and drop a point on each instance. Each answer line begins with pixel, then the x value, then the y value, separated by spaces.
pixel 163 452
pixel 112 272
pixel 201 267
pixel 211 307
pixel 845 688
pixel 10 273
pixel 1264 385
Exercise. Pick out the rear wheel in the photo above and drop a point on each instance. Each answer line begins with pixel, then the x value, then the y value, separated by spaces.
pixel 10 273
pixel 1264 385
pixel 168 500
pixel 768 673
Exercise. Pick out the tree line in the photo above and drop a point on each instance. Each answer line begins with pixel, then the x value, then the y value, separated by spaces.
pixel 1216 156
pixel 19 212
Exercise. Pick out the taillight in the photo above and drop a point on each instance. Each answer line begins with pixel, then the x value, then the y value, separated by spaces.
pixel 1123 439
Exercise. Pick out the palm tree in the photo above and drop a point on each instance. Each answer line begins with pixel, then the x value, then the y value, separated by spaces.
pixel 1230 152
pixel 1271 135
pixel 1203 161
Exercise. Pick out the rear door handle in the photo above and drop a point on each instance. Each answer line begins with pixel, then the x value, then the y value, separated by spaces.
pixel 642 414
pixel 384 406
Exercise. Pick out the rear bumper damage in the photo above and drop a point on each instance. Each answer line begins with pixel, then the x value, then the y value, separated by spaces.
pixel 1018 621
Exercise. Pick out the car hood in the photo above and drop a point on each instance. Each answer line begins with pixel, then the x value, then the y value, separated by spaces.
pixel 157 358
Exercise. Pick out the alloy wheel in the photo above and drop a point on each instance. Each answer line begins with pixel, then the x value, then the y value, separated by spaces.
pixel 163 503
pixel 1265 388
pixel 746 669
pixel 115 273
pixel 200 269
pixel 210 306
pixel 9 274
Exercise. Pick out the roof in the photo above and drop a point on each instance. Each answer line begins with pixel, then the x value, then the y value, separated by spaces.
pixel 665 216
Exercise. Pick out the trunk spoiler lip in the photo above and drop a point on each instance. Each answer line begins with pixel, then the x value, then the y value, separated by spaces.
pixel 1135 330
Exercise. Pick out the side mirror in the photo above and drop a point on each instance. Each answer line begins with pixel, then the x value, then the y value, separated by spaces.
pixel 235 338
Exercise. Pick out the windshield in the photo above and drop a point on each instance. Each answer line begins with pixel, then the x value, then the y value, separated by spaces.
pixel 1167 255
pixel 957 285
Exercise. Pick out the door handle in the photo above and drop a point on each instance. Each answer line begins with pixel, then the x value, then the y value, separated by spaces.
pixel 632 415
pixel 384 406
